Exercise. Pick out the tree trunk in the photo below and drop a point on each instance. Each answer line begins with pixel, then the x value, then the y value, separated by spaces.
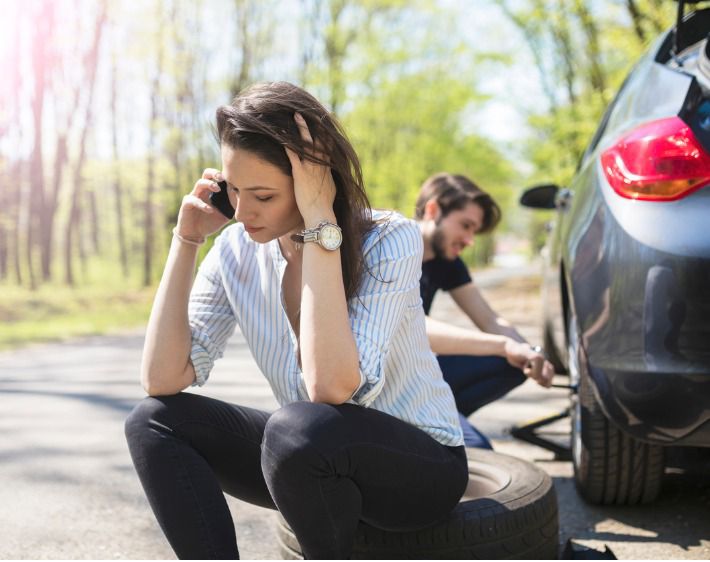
pixel 636 19
pixel 148 246
pixel 16 234
pixel 5 206
pixel 597 77
pixel 654 16
pixel 4 247
pixel 13 132
pixel 43 30
pixel 61 156
pixel 311 11
pixel 179 118
pixel 117 188
pixel 534 41
pixel 73 222
pixel 3 253
pixel 559 27
pixel 61 159
pixel 148 234
pixel 241 8
pixel 9 127
pixel 337 41
pixel 94 220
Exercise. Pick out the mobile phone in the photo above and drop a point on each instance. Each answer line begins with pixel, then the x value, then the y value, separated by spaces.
pixel 220 200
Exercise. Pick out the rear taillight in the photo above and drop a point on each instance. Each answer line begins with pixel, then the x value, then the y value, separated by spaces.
pixel 659 161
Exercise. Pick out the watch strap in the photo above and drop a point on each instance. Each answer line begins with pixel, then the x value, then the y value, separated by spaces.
pixel 311 234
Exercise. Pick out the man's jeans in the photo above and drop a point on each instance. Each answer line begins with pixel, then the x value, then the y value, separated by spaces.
pixel 477 381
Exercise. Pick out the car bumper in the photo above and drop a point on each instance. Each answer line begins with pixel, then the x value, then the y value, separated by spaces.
pixel 643 313
pixel 659 408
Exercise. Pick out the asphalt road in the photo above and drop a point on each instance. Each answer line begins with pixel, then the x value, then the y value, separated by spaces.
pixel 68 489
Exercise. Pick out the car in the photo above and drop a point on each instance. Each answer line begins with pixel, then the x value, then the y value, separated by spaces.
pixel 626 281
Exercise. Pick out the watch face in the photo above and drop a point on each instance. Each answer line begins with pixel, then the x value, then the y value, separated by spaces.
pixel 330 237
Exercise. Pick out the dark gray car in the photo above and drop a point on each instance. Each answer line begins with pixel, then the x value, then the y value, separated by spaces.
pixel 627 273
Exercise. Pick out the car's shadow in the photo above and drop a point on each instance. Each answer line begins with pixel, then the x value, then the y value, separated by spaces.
pixel 680 516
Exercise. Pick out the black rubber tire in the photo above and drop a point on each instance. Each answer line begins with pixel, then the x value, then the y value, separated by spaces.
pixel 612 468
pixel 509 511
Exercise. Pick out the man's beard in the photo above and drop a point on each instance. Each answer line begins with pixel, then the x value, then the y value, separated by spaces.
pixel 437 244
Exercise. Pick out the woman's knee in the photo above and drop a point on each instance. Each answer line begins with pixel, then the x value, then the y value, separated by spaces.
pixel 299 423
pixel 149 412
pixel 299 433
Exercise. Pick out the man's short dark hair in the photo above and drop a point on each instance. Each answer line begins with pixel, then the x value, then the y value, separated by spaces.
pixel 453 192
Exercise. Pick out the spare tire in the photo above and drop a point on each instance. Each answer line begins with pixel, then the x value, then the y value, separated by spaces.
pixel 509 511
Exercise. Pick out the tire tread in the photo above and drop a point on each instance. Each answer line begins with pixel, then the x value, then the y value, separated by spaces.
pixel 615 468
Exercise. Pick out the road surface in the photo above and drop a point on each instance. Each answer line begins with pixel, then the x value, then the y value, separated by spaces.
pixel 68 489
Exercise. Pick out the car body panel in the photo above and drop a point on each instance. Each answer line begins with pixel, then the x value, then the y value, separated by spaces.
pixel 635 278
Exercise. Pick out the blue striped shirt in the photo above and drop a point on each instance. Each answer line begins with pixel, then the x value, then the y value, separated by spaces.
pixel 239 283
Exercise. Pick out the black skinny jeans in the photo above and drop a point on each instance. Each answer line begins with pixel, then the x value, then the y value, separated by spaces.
pixel 323 467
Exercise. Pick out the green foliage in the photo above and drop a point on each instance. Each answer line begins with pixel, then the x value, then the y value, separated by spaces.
pixel 56 312
pixel 412 127
pixel 585 51
pixel 407 114
pixel 561 137
pixel 403 131
pixel 402 75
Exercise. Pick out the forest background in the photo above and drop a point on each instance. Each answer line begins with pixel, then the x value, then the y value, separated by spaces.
pixel 106 112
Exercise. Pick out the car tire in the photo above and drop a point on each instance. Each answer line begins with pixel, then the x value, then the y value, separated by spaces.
pixel 509 511
pixel 610 467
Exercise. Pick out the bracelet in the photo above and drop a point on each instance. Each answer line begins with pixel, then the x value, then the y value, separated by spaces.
pixel 190 241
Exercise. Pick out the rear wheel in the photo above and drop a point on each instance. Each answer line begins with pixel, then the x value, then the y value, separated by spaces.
pixel 610 467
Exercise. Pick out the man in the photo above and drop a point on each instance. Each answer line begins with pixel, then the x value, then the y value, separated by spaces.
pixel 480 366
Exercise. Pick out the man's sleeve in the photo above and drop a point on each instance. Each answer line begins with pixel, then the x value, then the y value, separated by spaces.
pixel 456 275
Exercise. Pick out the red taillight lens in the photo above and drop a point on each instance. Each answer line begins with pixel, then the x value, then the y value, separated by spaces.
pixel 659 161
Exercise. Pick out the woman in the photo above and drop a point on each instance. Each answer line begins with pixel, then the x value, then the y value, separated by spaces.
pixel 367 428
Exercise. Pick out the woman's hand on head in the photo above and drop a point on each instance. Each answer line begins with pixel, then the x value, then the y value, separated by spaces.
pixel 313 183
pixel 198 218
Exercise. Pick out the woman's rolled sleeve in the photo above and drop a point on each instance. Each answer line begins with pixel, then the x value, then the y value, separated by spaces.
pixel 211 317
pixel 371 376
pixel 394 265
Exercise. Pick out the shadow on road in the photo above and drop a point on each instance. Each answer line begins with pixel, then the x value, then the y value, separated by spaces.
pixel 117 404
pixel 680 517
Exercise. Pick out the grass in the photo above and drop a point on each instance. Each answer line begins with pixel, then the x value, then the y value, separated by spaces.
pixel 55 313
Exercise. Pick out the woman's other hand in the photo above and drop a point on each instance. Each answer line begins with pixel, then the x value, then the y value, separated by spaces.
pixel 198 218
pixel 313 183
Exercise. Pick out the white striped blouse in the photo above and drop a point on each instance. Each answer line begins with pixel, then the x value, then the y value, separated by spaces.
pixel 239 282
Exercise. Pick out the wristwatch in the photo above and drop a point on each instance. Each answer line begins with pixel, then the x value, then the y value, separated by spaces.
pixel 328 235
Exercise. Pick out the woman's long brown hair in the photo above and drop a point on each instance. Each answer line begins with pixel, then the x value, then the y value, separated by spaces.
pixel 260 120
